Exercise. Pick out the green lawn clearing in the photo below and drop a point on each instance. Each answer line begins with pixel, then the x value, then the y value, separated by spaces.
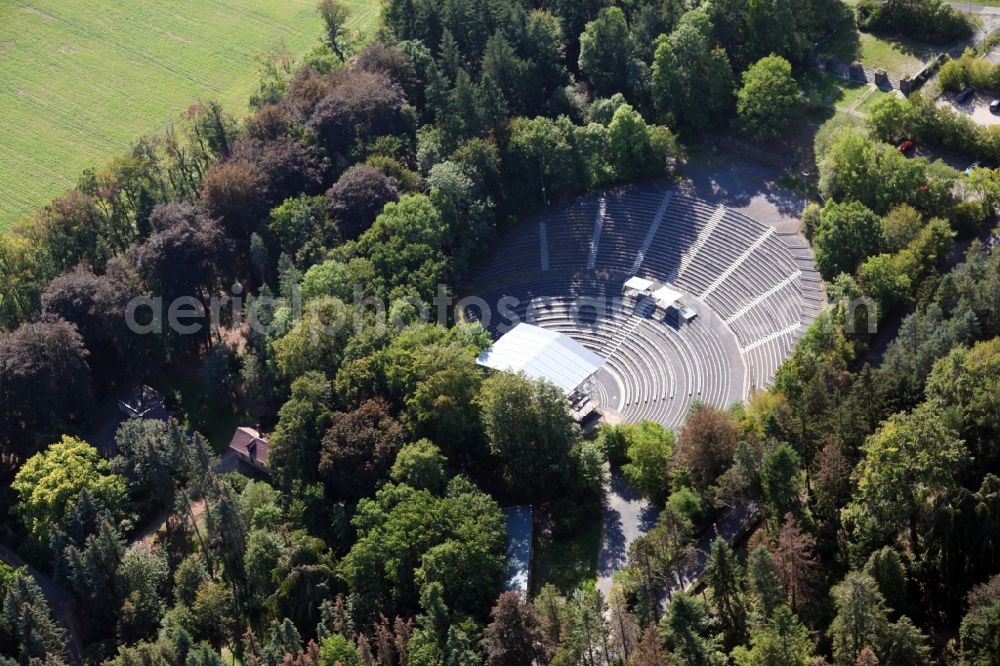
pixel 872 97
pixel 902 57
pixel 897 55
pixel 831 90
pixel 81 79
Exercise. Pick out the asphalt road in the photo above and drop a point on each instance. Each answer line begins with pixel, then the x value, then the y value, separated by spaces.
pixel 976 9
pixel 627 516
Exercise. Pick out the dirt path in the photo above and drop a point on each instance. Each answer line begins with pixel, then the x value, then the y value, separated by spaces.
pixel 60 600
pixel 227 462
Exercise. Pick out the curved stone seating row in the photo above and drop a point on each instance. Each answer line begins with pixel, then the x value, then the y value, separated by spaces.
pixel 660 370
pixel 519 253
pixel 761 285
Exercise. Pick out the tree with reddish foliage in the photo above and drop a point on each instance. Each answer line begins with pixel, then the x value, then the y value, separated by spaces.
pixel 832 484
pixel 305 91
pixel 359 448
pixel 390 643
pixel 377 57
pixel 185 256
pixel 362 105
pixel 287 166
pixel 95 304
pixel 514 637
pixel 706 444
pixel 650 650
pixel 796 563
pixel 234 192
pixel 866 658
pixel 308 656
pixel 358 197
pixel 44 384
pixel 269 123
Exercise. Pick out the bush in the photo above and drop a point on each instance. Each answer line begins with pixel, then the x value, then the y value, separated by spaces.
pixel 968 217
pixel 929 20
pixel 969 71
pixel 687 503
pixel 811 219
pixel 953 76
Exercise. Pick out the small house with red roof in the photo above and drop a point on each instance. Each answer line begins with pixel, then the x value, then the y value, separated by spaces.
pixel 250 446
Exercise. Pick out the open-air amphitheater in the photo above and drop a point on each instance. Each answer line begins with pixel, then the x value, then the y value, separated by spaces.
pixel 754 292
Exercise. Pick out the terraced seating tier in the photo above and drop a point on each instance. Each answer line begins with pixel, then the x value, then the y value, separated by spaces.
pixel 755 292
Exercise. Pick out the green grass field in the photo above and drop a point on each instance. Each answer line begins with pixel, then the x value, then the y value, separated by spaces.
pixel 833 90
pixel 897 55
pixel 81 79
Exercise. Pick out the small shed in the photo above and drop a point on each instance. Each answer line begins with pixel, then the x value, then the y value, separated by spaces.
pixel 143 402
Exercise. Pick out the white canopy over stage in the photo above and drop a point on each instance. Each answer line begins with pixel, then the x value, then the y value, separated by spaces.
pixel 667 297
pixel 542 354
pixel 638 284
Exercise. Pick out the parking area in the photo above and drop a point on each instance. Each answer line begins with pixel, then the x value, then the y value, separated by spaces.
pixel 977 107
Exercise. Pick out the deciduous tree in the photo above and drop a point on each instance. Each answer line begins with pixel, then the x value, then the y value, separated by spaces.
pixel 648 448
pixel 359 448
pixel 53 479
pixel 514 635
pixel 706 444
pixel 692 80
pixel 768 98
pixel 529 432
pixel 358 197
pixel 44 383
pixel 848 234
pixel 420 465
pixel 912 457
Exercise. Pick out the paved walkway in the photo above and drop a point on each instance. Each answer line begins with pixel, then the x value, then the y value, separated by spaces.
pixel 627 516
pixel 749 186
pixel 976 9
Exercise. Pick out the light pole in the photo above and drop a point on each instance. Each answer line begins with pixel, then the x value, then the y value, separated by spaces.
pixel 541 177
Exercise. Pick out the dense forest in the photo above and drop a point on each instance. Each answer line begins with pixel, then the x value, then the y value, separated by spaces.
pixel 389 162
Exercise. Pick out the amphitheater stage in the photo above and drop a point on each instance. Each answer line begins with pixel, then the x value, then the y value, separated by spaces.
pixel 754 290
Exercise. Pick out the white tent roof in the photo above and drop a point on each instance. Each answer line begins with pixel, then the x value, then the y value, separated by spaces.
pixel 666 296
pixel 638 283
pixel 542 354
